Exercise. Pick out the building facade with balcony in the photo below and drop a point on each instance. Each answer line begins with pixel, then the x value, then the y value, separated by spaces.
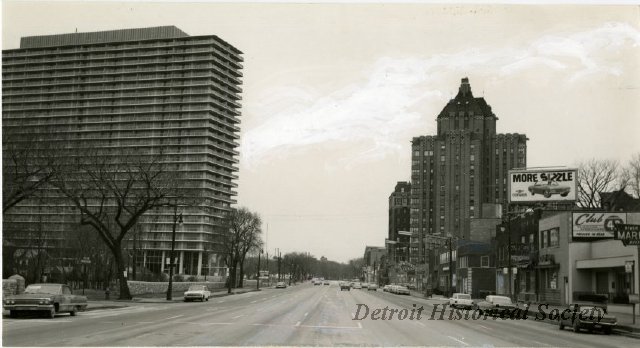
pixel 150 91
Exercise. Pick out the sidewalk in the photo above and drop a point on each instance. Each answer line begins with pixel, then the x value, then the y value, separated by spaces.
pixel 625 321
pixel 155 298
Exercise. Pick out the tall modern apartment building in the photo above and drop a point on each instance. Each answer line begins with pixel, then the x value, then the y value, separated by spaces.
pixel 461 167
pixel 146 91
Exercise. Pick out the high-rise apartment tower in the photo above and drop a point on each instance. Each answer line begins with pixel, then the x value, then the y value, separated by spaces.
pixel 148 91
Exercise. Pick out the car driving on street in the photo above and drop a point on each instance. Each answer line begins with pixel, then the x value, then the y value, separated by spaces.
pixel 460 300
pixel 197 292
pixel 589 317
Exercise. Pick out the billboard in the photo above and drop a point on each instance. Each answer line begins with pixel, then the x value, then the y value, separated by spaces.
pixel 596 225
pixel 542 185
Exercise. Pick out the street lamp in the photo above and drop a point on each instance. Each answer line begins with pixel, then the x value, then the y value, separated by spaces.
pixel 177 218
pixel 509 271
pixel 258 279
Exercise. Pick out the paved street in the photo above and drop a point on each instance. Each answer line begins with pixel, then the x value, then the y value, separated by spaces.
pixel 299 315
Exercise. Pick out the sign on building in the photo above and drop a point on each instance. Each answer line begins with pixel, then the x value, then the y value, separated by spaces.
pixel 596 225
pixel 542 185
pixel 628 234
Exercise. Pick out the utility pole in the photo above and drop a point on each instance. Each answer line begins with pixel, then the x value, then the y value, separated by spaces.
pixel 173 247
pixel 258 279
pixel 509 254
pixel 450 265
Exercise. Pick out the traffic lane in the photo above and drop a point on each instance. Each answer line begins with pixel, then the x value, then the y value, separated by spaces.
pixel 413 329
pixel 233 324
pixel 517 332
pixel 88 327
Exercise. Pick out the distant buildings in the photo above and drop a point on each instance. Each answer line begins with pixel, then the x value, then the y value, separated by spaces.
pixel 399 236
pixel 456 171
pixel 147 91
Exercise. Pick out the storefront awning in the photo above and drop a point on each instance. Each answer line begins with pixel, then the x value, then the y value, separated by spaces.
pixel 603 263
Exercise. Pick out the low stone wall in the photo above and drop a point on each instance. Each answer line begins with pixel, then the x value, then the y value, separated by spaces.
pixel 12 286
pixel 145 288
pixel 9 287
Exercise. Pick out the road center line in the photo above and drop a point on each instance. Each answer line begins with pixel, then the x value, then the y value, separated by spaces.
pixel 238 316
pixel 174 317
pixel 254 301
pixel 297 324
pixel 459 341
pixel 484 327
pixel 421 324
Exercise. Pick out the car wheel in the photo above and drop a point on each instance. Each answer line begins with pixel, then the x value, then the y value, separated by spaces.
pixel 547 194
pixel 576 327
pixel 207 299
pixel 52 313
pixel 561 325
pixel 74 311
pixel 607 331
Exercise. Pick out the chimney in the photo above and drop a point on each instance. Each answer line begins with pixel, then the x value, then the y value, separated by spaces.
pixel 465 88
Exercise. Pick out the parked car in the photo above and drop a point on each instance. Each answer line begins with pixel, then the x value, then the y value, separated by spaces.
pixel 386 288
pixel 49 298
pixel 460 300
pixel 373 287
pixel 281 285
pixel 400 290
pixel 345 286
pixel 548 188
pixel 495 304
pixel 357 285
pixel 365 285
pixel 197 292
pixel 326 282
pixel 590 317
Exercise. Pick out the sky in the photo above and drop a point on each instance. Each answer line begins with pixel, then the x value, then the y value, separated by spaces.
pixel 333 93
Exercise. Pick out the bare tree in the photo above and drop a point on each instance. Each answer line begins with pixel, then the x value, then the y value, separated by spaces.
pixel 595 176
pixel 27 166
pixel 242 234
pixel 631 176
pixel 112 192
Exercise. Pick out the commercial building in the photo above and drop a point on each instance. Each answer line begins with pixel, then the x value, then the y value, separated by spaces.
pixel 148 91
pixel 456 171
pixel 579 259
pixel 398 241
pixel 373 257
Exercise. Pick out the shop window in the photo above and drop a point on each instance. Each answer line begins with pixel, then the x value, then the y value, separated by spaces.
pixel 552 279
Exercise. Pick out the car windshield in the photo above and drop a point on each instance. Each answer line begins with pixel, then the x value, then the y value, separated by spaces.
pixel 42 289
pixel 464 297
pixel 196 287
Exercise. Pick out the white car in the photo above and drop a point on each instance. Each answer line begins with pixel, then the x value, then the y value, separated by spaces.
pixel 461 300
pixel 197 292
pixel 281 285
pixel 373 287
pixel 357 285
pixel 400 290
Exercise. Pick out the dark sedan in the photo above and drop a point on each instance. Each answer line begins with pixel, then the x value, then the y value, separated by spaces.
pixel 48 298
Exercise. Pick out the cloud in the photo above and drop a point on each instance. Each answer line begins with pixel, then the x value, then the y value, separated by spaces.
pixel 372 117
